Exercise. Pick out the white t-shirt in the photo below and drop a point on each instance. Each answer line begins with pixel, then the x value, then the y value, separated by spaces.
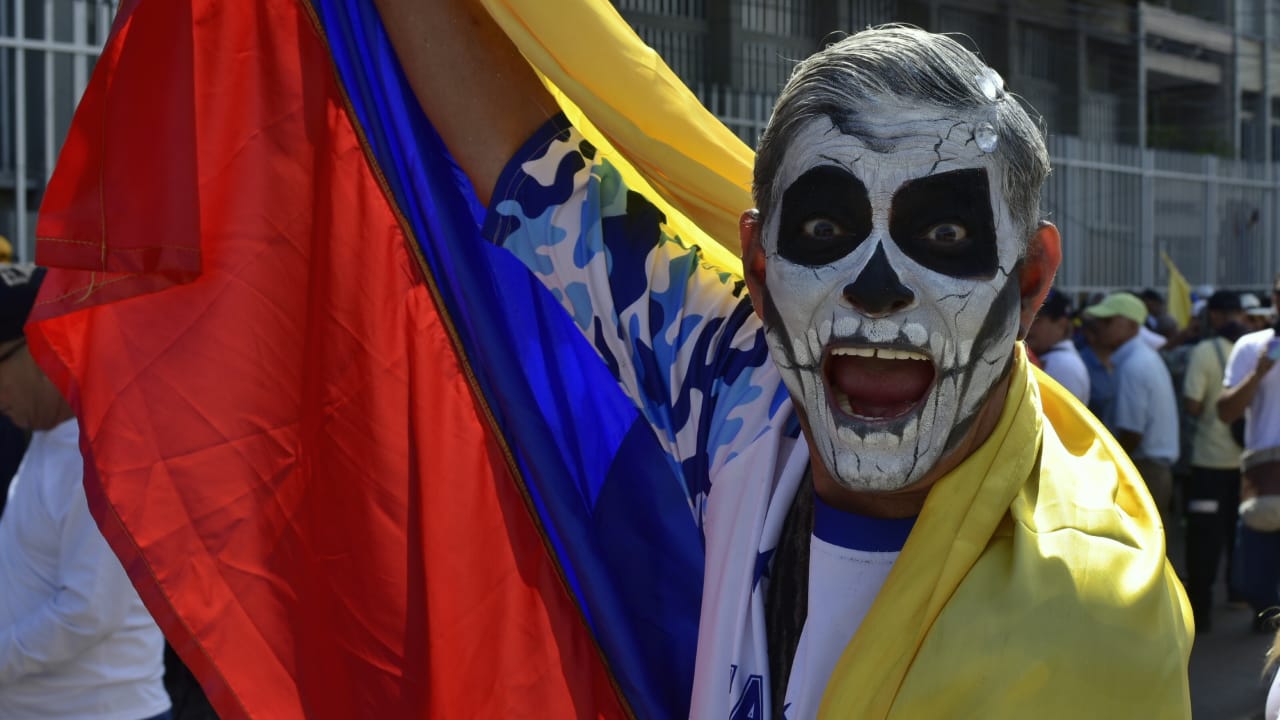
pixel 75 640
pixel 1262 418
pixel 849 559
pixel 1062 363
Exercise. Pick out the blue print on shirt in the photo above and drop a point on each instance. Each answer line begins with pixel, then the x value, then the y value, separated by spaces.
pixel 678 333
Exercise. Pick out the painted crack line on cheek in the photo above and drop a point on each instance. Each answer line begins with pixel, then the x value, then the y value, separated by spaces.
pixel 966 297
pixel 994 361
pixel 933 424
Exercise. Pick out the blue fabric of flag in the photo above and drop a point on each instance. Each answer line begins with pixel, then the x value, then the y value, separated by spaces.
pixel 600 483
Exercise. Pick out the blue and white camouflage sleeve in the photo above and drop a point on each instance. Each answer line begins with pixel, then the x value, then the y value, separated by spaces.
pixel 677 333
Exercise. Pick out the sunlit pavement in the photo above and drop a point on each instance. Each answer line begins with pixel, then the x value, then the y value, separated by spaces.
pixel 1226 668
pixel 1226 662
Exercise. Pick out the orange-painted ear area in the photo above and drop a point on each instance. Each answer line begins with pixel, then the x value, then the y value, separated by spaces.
pixel 752 257
pixel 1044 255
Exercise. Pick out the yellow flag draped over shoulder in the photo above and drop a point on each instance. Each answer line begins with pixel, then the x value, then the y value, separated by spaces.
pixel 1035 582
pixel 1179 294
pixel 584 50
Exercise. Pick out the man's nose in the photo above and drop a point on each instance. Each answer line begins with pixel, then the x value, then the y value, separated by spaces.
pixel 877 291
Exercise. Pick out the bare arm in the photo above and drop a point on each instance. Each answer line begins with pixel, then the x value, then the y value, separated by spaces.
pixel 1129 440
pixel 1193 407
pixel 480 94
pixel 1233 400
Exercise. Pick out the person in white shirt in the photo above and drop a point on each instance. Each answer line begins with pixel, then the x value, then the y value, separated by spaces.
pixel 1213 492
pixel 1144 418
pixel 1050 339
pixel 1252 390
pixel 75 639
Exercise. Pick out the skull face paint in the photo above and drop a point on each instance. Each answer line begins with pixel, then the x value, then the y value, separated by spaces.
pixel 891 305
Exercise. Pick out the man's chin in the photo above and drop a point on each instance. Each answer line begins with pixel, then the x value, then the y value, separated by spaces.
pixel 878 472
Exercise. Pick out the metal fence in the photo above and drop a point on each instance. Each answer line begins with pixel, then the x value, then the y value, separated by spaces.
pixel 47 52
pixel 1121 209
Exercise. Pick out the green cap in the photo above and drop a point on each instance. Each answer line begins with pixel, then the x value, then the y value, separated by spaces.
pixel 1122 304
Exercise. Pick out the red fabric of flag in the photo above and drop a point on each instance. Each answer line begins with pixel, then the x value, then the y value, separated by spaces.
pixel 281 440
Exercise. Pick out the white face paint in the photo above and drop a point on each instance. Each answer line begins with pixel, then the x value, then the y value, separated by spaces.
pixel 907 272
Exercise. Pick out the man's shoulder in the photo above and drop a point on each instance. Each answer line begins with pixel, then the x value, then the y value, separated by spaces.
pixel 1078 524
pixel 1201 352
pixel 1082 470
pixel 1255 339
pixel 1068 353
pixel 1137 359
pixel 53 457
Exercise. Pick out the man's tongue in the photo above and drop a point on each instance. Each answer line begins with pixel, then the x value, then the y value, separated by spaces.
pixel 877 387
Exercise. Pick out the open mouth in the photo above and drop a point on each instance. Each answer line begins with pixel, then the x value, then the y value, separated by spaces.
pixel 876 383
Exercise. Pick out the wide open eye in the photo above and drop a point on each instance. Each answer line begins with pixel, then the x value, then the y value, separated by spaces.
pixel 821 228
pixel 947 237
pixel 826 214
pixel 945 222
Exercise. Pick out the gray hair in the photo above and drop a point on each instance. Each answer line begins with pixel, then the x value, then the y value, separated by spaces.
pixel 910 64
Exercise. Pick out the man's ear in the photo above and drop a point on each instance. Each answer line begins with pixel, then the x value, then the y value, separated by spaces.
pixel 1044 254
pixel 752 258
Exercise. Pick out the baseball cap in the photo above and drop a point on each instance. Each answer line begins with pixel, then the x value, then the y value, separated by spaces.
pixel 1122 304
pixel 1056 306
pixel 1225 301
pixel 19 284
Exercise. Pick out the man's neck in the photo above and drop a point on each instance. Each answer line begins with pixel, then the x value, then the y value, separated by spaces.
pixel 909 501
pixel 1134 338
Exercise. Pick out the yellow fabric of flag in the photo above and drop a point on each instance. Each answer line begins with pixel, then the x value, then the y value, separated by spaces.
pixel 601 71
pixel 1179 303
pixel 1035 582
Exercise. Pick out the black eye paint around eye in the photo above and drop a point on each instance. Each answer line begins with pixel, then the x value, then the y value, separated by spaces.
pixel 823 192
pixel 959 197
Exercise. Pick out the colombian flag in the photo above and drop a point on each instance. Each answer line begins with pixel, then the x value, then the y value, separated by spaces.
pixel 358 462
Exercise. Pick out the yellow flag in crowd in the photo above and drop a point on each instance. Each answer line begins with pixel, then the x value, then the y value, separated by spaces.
pixel 1179 304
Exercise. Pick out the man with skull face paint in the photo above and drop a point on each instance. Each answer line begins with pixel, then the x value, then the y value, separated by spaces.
pixel 891 297
pixel 1005 559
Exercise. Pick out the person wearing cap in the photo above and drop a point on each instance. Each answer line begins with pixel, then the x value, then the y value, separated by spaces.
pixel 1050 339
pixel 1144 415
pixel 1256 315
pixel 75 639
pixel 1252 391
pixel 1213 491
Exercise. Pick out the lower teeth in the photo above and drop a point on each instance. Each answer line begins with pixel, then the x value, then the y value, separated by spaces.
pixel 843 401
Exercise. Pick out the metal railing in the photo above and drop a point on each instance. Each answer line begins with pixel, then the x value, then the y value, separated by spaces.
pixel 47 52
pixel 1120 208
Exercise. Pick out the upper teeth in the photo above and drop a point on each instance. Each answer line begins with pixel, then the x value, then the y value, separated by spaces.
pixel 884 353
